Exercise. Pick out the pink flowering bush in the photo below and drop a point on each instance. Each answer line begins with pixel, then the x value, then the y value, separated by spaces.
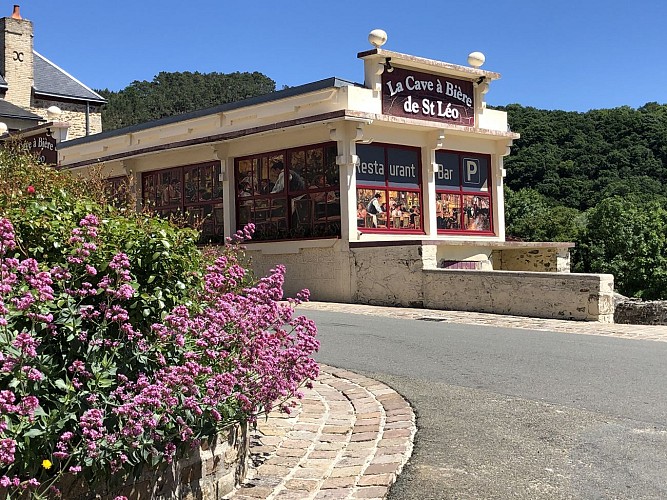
pixel 101 374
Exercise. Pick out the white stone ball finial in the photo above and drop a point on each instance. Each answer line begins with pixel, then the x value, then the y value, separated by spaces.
pixel 53 112
pixel 377 38
pixel 476 59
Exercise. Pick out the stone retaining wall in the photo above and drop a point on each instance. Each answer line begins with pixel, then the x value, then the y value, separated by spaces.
pixel 550 259
pixel 583 297
pixel 210 473
pixel 637 312
pixel 407 275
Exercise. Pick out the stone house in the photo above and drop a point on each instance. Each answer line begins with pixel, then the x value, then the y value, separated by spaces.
pixel 35 91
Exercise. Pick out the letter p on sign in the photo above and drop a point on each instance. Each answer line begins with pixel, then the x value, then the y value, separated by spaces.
pixel 471 169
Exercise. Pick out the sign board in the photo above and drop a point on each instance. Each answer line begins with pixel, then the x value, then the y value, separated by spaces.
pixel 401 168
pixel 424 96
pixel 462 170
pixel 43 146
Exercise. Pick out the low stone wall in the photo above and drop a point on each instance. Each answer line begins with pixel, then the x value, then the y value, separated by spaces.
pixel 637 312
pixel 325 270
pixel 210 473
pixel 583 297
pixel 388 275
pixel 407 275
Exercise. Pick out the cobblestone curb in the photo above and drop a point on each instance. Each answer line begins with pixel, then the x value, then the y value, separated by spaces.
pixel 348 439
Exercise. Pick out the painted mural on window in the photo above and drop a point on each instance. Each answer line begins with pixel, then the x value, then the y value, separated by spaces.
pixel 463 199
pixel 389 188
pixel 290 194
pixel 192 193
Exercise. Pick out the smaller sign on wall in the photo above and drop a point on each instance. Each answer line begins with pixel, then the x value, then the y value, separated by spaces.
pixel 401 169
pixel 43 146
pixel 461 170
pixel 412 94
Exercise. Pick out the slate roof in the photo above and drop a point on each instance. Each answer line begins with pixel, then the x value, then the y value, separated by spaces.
pixel 9 110
pixel 53 81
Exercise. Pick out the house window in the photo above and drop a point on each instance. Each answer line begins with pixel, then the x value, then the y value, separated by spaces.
pixel 289 194
pixel 463 200
pixel 191 193
pixel 389 196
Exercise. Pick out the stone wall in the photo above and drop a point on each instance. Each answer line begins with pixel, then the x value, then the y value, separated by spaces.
pixel 637 312
pixel 388 275
pixel 209 474
pixel 556 260
pixel 407 276
pixel 72 113
pixel 17 61
pixel 585 297
pixel 324 270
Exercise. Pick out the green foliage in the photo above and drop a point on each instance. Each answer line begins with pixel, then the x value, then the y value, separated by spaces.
pixel 598 179
pixel 117 349
pixel 172 94
pixel 627 237
pixel 578 159
pixel 165 259
pixel 530 217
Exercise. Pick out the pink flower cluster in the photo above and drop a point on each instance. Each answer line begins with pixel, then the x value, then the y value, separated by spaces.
pixel 236 352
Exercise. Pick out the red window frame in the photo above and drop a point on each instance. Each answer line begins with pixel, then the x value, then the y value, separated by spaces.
pixel 307 207
pixel 463 207
pixel 193 192
pixel 411 220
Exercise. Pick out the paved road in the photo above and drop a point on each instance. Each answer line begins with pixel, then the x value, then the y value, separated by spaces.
pixel 514 413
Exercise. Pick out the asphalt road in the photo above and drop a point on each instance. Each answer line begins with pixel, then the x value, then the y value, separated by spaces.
pixel 508 413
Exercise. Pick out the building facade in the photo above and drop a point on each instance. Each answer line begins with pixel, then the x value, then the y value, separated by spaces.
pixel 35 91
pixel 387 192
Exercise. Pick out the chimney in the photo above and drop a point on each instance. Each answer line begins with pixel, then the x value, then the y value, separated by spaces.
pixel 16 59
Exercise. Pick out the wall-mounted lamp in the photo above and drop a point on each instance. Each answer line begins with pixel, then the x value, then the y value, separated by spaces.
pixel 387 65
pixel 480 80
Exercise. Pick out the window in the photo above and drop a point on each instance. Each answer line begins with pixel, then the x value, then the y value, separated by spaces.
pixel 290 194
pixel 193 192
pixel 463 201
pixel 389 196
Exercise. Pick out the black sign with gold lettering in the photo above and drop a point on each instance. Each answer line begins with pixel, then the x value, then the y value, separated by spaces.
pixel 43 146
pixel 412 94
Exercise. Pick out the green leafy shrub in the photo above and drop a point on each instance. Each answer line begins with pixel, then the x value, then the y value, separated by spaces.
pixel 119 347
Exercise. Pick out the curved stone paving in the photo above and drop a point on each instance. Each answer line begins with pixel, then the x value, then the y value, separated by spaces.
pixel 348 439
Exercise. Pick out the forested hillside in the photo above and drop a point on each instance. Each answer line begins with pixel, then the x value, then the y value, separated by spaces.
pixel 579 159
pixel 598 179
pixel 175 93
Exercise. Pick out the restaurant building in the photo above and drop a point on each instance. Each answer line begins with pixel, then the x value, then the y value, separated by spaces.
pixel 385 192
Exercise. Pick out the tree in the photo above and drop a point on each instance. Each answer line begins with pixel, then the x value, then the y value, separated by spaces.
pixel 627 237
pixel 530 217
pixel 579 159
pixel 172 94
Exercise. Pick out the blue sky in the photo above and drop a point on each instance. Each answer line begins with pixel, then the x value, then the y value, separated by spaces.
pixel 569 55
